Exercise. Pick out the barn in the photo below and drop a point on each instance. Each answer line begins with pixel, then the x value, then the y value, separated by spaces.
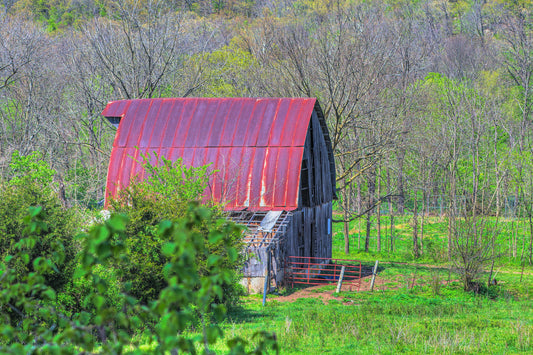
pixel 274 162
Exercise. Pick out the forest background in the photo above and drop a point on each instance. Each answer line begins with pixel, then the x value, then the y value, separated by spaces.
pixel 429 106
pixel 429 103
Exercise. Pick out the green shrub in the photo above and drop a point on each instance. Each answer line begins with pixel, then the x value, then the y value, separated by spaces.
pixel 61 226
pixel 30 184
pixel 42 327
pixel 165 194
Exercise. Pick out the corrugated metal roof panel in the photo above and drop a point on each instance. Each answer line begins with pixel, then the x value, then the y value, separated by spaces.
pixel 230 124
pixel 116 108
pixel 147 130
pixel 256 144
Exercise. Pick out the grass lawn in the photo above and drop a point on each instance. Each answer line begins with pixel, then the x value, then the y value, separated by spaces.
pixel 430 315
pixel 401 320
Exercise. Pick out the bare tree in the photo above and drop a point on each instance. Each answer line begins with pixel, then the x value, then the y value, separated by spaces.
pixel 29 102
pixel 142 50
pixel 342 58
pixel 518 60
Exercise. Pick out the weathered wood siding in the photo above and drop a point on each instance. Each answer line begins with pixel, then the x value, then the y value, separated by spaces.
pixel 310 231
pixel 316 186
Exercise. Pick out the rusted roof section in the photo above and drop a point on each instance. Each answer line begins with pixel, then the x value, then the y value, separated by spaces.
pixel 256 144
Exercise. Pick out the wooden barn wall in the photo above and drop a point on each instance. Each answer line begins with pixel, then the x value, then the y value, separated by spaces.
pixel 309 233
pixel 315 179
pixel 257 259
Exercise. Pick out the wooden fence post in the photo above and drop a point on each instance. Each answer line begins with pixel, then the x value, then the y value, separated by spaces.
pixel 267 277
pixel 341 276
pixel 374 272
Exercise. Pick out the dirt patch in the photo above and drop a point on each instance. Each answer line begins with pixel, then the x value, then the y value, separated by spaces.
pixel 326 296
pixel 310 292
pixel 393 283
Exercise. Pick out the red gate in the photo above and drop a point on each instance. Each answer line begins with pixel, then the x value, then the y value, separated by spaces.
pixel 305 270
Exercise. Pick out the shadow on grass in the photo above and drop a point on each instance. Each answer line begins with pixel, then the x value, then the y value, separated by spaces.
pixel 240 314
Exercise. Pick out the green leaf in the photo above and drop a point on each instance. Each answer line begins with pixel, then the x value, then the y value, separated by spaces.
pixel 38 263
pixel 8 331
pixel 233 255
pixel 213 259
pixel 49 294
pixel 101 235
pixel 98 301
pixel 213 332
pixel 132 301
pixel 117 222
pixel 215 236
pixel 169 249
pixel 219 312
pixel 25 258
pixel 34 211
pixel 98 320
pixel 164 226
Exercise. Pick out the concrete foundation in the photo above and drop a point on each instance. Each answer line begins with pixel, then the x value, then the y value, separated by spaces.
pixel 253 285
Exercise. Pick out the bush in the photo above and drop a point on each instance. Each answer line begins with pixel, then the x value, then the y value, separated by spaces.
pixel 44 328
pixel 165 194
pixel 30 184
pixel 122 284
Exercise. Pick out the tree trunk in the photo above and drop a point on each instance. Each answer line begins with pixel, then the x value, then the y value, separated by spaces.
pixel 391 212
pixel 368 226
pixel 416 251
pixel 359 235
pixel 392 232
pixel 378 214
pixel 422 219
pixel 452 212
pixel 346 228
pixel 401 193
pixel 371 192
pixel 515 238
pixel 530 217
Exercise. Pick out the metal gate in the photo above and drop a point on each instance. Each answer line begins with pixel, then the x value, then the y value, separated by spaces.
pixel 305 270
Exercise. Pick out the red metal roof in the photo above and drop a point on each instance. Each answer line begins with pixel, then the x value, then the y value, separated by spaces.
pixel 256 144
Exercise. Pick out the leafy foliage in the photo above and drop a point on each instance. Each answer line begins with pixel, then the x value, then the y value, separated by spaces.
pixel 110 291
pixel 29 186
pixel 29 169
pixel 41 327
pixel 165 194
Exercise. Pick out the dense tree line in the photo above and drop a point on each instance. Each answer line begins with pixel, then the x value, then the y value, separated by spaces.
pixel 429 103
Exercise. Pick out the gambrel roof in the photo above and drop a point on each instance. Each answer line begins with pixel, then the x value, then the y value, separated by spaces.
pixel 256 144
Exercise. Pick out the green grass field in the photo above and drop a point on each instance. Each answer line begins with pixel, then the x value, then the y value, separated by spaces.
pixel 391 322
pixel 511 241
pixel 430 315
